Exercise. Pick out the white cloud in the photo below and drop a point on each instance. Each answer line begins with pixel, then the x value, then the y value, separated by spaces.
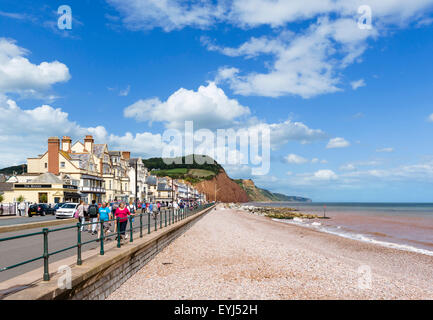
pixel 26 136
pixel 325 175
pixel 208 107
pixel 430 118
pixel 295 159
pixel 177 14
pixel 385 150
pixel 19 75
pixel 125 92
pixel 337 143
pixel 358 84
pixel 282 133
pixel 167 14
pixel 348 167
pixel 307 63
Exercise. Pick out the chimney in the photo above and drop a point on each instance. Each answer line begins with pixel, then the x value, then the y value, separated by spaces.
pixel 88 144
pixel 126 155
pixel 66 144
pixel 53 155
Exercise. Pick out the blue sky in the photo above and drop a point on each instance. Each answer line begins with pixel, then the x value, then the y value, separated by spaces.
pixel 130 69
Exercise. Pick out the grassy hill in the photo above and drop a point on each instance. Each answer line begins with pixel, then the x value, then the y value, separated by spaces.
pixel 178 168
pixel 18 169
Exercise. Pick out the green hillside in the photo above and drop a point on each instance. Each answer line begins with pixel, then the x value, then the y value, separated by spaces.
pixel 18 169
pixel 181 163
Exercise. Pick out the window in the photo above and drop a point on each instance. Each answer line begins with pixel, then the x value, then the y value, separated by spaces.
pixel 46 165
pixel 62 164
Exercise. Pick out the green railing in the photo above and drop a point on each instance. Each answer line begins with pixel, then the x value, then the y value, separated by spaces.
pixel 166 217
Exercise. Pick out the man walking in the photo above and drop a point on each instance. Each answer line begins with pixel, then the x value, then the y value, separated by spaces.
pixel 103 216
pixel 93 216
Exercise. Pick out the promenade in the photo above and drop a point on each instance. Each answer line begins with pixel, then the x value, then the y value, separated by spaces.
pixel 231 254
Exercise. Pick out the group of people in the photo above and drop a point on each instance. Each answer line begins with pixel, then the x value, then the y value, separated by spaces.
pixel 92 215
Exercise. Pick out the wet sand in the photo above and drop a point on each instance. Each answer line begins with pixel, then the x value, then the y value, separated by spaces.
pixel 230 254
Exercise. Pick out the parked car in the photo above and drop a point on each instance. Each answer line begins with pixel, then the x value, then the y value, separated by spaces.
pixel 66 211
pixel 41 209
pixel 58 205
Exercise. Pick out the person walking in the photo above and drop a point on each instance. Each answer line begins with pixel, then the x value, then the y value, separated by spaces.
pixel 22 208
pixel 104 215
pixel 122 213
pixel 132 209
pixel 81 214
pixel 93 216
pixel 175 207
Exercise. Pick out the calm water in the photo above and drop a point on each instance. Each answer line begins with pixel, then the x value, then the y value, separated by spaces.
pixel 407 226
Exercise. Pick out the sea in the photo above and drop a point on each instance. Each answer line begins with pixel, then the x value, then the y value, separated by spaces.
pixel 404 226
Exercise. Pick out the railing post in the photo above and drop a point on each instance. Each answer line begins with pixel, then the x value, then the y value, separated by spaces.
pixel 166 218
pixel 46 272
pixel 160 220
pixel 141 225
pixel 156 222
pixel 169 218
pixel 118 232
pixel 79 261
pixel 131 229
pixel 148 222
pixel 101 237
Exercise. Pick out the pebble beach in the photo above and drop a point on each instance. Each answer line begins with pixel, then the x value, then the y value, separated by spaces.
pixel 232 254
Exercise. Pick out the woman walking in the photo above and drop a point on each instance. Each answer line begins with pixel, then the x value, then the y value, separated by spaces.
pixel 81 216
pixel 122 213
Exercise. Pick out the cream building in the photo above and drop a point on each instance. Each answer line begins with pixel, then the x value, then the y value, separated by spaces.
pixel 99 174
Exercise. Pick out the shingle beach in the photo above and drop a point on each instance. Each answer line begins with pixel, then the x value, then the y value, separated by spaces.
pixel 231 254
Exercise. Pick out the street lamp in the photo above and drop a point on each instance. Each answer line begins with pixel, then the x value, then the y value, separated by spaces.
pixel 216 192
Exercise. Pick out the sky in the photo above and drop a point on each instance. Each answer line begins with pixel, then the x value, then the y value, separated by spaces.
pixel 347 99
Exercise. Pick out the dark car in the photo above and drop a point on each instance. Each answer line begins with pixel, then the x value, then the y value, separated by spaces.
pixel 41 209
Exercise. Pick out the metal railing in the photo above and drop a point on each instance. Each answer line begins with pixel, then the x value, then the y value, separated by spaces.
pixel 166 217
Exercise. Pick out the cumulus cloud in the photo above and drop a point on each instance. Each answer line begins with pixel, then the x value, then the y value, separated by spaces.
pixel 19 75
pixel 208 107
pixel 388 150
pixel 295 159
pixel 26 136
pixel 177 14
pixel 168 14
pixel 305 64
pixel 358 84
pixel 337 143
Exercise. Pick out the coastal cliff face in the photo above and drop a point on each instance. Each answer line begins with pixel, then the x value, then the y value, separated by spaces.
pixel 256 194
pixel 227 189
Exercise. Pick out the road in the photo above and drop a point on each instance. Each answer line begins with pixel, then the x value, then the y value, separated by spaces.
pixel 18 250
pixel 8 221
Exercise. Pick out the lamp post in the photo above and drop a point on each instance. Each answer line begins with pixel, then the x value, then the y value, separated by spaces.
pixel 172 195
pixel 216 192
pixel 136 185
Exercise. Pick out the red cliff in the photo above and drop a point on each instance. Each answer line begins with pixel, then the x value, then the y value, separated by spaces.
pixel 227 189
